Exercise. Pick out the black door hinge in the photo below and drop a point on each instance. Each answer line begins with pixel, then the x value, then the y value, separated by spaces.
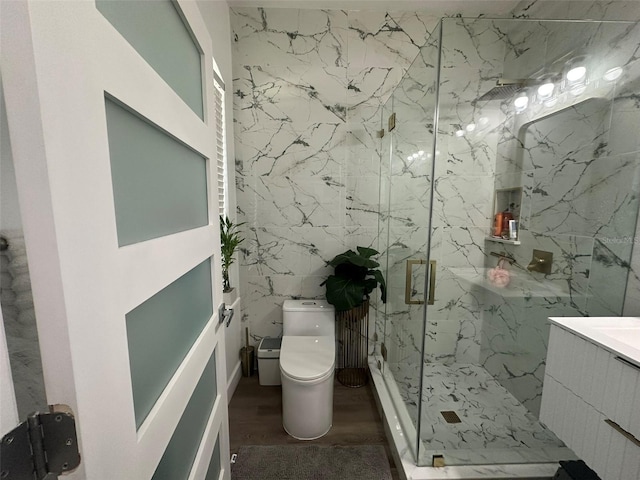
pixel 40 448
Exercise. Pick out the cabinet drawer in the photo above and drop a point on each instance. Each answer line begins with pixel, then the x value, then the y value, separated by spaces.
pixel 622 397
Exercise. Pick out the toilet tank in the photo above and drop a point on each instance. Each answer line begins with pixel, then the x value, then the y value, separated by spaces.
pixel 308 318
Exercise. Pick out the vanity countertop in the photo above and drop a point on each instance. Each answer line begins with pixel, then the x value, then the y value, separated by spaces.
pixel 619 335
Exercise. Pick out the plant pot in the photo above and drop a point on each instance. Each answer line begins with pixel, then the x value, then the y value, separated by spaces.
pixel 352 331
pixel 230 297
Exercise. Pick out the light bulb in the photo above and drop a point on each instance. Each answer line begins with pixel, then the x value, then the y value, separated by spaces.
pixel 483 121
pixel 521 103
pixel 576 73
pixel 459 133
pixel 545 90
pixel 471 127
pixel 421 152
pixel 612 74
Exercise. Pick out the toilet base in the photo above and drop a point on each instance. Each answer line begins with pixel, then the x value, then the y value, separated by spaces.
pixel 311 438
pixel 307 408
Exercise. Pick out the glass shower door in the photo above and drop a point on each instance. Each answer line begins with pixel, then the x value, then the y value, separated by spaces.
pixel 406 196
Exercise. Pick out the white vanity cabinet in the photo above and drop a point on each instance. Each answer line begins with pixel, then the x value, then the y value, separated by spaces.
pixel 591 394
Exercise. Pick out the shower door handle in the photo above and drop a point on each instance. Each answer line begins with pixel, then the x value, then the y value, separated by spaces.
pixel 408 287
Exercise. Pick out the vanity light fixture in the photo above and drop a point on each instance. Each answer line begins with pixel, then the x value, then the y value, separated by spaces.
pixel 613 74
pixel 546 90
pixel 577 73
pixel 521 103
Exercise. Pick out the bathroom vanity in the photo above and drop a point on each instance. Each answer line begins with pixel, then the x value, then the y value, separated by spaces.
pixel 591 395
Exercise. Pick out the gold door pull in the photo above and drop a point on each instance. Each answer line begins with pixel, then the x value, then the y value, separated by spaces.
pixel 408 287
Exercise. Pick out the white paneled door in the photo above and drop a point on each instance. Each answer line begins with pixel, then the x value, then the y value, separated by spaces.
pixel 110 115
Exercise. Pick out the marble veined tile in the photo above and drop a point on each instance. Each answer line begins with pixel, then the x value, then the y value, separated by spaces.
pixel 382 39
pixel 607 10
pixel 625 115
pixel 289 37
pixel 363 150
pixel 262 309
pixel 463 201
pixel 492 419
pixel 362 201
pixel 562 142
pixel 471 42
pixel 369 88
pixel 410 199
pixel 595 198
pixel 289 202
pixel 310 150
pixel 610 269
pixel 296 94
pixel 463 246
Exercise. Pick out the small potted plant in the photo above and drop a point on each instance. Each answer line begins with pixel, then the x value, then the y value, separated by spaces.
pixel 229 240
pixel 355 277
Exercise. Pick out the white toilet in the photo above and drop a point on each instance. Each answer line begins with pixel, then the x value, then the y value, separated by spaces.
pixel 307 362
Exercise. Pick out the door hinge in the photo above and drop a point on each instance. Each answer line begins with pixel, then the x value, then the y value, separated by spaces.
pixel 383 351
pixel 392 122
pixel 42 447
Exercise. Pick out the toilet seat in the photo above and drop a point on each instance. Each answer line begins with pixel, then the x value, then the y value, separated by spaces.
pixel 305 359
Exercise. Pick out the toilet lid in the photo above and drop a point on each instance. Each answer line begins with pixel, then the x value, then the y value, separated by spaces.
pixel 307 358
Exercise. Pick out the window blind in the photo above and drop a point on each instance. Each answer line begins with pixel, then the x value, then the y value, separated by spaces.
pixel 221 150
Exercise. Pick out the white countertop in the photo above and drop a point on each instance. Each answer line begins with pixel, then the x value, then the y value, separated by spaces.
pixel 619 335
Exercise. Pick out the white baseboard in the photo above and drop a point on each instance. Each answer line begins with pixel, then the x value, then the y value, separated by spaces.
pixel 232 384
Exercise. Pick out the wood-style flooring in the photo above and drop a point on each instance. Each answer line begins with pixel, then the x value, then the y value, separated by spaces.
pixel 255 418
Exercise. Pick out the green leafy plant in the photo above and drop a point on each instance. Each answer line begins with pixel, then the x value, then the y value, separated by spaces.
pixel 355 277
pixel 229 240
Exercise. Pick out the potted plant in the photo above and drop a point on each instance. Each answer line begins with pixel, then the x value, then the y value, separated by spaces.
pixel 229 241
pixel 354 278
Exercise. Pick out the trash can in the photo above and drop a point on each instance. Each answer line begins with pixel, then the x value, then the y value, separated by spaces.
pixel 269 361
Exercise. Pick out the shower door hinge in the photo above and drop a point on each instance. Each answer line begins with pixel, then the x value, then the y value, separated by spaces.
pixel 437 461
pixel 392 121
pixel 381 133
pixel 42 447
pixel 383 351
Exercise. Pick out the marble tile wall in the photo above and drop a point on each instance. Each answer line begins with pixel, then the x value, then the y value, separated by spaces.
pixel 580 169
pixel 308 91
pixel 308 88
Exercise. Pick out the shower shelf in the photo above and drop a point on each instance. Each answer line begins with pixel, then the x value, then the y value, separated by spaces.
pixel 502 240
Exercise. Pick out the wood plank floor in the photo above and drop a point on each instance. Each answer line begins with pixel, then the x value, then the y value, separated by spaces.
pixel 255 418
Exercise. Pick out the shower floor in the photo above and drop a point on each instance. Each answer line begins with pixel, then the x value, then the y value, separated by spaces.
pixel 494 427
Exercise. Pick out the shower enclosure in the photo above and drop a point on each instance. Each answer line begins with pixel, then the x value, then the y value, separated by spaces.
pixel 538 119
